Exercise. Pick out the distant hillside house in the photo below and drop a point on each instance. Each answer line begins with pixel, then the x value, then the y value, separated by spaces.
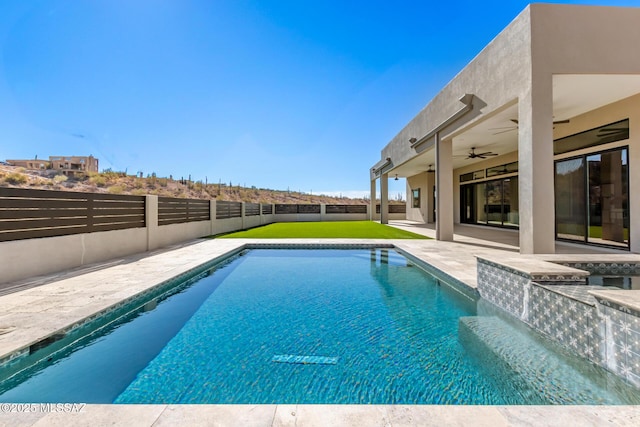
pixel 29 164
pixel 68 165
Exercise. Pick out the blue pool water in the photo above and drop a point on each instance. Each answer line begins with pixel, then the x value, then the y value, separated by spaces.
pixel 311 326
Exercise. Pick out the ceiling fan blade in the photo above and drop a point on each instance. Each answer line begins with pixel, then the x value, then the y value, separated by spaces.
pixel 488 153
pixel 504 131
pixel 612 131
pixel 556 122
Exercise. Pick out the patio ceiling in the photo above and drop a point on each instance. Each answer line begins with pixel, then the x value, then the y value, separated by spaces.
pixel 573 95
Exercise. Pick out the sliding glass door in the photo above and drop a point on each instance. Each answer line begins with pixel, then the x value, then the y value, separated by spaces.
pixel 491 202
pixel 592 198
pixel 608 198
pixel 571 208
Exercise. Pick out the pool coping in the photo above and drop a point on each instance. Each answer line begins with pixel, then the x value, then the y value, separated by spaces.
pixel 314 414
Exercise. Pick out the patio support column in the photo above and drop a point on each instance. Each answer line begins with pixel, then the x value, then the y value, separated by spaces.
pixel 384 198
pixel 372 201
pixel 444 189
pixel 430 198
pixel 535 167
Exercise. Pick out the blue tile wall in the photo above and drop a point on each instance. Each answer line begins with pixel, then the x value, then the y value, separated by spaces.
pixel 504 288
pixel 598 330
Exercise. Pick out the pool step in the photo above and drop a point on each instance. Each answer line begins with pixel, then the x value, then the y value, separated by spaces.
pixel 304 360
pixel 536 362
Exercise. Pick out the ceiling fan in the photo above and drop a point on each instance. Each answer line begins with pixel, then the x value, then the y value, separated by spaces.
pixel 510 128
pixel 608 132
pixel 473 155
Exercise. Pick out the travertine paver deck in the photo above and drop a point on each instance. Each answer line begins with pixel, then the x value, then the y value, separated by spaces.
pixel 64 299
pixel 329 415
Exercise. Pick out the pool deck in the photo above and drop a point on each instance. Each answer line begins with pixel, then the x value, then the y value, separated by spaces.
pixel 37 308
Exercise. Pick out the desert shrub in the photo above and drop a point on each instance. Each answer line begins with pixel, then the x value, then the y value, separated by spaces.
pixel 139 192
pixel 98 180
pixel 15 178
pixel 163 182
pixel 58 179
pixel 116 189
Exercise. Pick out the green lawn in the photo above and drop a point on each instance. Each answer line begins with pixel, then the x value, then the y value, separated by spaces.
pixel 337 229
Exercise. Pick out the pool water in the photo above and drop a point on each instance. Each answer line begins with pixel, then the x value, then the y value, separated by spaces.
pixel 333 326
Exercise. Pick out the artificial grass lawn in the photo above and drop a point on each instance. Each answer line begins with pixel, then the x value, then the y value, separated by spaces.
pixel 337 229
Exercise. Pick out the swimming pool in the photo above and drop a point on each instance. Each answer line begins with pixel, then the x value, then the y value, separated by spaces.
pixel 309 326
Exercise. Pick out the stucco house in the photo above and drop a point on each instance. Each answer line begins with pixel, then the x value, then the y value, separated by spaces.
pixel 540 132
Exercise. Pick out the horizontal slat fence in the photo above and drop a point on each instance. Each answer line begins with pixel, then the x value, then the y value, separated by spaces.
pixel 399 209
pixel 28 214
pixel 177 211
pixel 251 209
pixel 297 209
pixel 228 210
pixel 346 209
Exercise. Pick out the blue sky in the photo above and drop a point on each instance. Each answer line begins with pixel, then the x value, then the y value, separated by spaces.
pixel 276 94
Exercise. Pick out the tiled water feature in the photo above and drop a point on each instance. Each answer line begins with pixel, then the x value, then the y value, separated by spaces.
pixel 597 323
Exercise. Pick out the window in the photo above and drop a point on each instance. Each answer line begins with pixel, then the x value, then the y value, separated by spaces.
pixel 472 175
pixel 617 131
pixel 503 169
pixel 415 195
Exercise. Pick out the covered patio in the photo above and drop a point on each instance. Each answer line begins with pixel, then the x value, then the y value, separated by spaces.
pixel 521 119
pixel 495 238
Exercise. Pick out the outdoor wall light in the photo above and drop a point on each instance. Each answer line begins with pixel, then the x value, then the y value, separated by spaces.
pixel 396 177
pixel 413 139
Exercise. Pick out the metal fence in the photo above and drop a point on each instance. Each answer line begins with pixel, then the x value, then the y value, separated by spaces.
pixel 346 209
pixel 399 209
pixel 28 214
pixel 228 210
pixel 251 209
pixel 176 211
pixel 297 209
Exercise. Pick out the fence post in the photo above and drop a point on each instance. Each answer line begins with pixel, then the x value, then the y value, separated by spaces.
pixel 242 213
pixel 151 221
pixel 212 215
pixel 323 211
pixel 261 215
